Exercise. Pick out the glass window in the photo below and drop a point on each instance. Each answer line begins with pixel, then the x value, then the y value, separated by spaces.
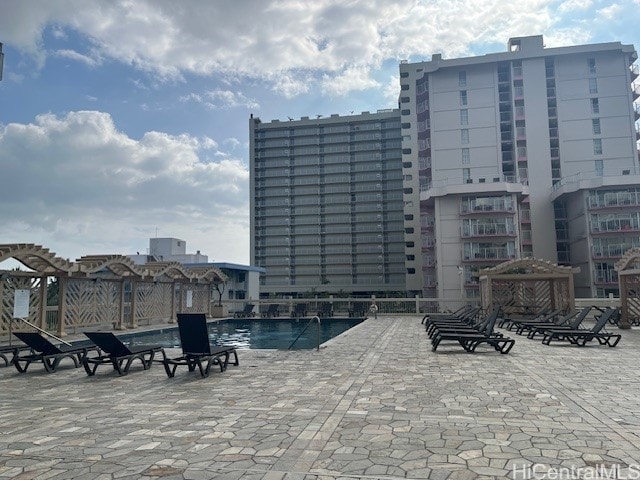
pixel 466 156
pixel 464 117
pixel 462 78
pixel 596 126
pixel 463 97
pixel 597 146
pixel 599 168
pixel 595 105
pixel 466 175
pixel 464 136
pixel 591 62
pixel 593 85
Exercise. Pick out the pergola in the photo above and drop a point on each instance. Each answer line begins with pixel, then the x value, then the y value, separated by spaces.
pixel 528 286
pixel 101 289
pixel 628 268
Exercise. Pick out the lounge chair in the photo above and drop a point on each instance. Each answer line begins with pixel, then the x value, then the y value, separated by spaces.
pixel 246 312
pixel 516 323
pixel 359 309
pixel 118 354
pixel 576 319
pixel 7 351
pixel 300 310
pixel 553 321
pixel 581 336
pixel 469 341
pixel 326 310
pixel 197 350
pixel 42 350
pixel 467 318
pixel 454 314
pixel 506 321
pixel 272 311
pixel 470 325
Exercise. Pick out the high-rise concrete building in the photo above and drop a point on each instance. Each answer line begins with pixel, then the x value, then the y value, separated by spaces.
pixel 529 152
pixel 327 212
pixel 526 153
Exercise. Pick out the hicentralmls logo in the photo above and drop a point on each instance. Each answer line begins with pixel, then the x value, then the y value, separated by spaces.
pixel 539 471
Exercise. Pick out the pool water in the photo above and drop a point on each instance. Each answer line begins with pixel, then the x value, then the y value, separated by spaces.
pixel 254 333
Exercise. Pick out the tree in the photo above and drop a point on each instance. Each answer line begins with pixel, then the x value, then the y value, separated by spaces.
pixel 220 289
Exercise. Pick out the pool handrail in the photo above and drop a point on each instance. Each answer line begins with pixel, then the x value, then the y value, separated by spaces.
pixel 311 320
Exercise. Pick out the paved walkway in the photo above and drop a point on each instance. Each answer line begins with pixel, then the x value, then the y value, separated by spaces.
pixel 376 403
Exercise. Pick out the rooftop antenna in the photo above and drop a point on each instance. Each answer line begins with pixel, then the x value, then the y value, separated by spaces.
pixel 318 116
pixel 290 119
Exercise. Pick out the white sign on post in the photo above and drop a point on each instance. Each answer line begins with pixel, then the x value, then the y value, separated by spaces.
pixel 21 303
pixel 189 298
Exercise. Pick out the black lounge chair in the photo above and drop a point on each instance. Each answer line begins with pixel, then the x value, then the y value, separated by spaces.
pixel 468 318
pixel 300 310
pixel 573 322
pixel 445 315
pixel 197 350
pixel 581 336
pixel 547 318
pixel 118 354
pixel 326 310
pixel 359 309
pixel 469 341
pixel 7 351
pixel 470 325
pixel 552 321
pixel 42 350
pixel 246 312
pixel 272 311
pixel 506 321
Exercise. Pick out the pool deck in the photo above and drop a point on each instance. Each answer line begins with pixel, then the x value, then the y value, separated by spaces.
pixel 374 403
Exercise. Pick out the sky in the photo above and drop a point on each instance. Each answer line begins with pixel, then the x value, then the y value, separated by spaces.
pixel 123 120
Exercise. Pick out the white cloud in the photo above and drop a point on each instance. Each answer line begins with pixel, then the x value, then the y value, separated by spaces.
pixel 78 57
pixel 221 99
pixel 291 43
pixel 610 11
pixel 75 181
pixel 352 79
pixel 573 5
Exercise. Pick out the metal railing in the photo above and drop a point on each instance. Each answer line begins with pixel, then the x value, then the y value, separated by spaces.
pixel 313 319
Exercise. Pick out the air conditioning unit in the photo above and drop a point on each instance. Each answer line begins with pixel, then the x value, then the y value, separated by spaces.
pixel 469 180
pixel 496 179
pixel 626 172
pixel 481 180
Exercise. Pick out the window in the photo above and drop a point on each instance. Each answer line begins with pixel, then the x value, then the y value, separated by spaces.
pixel 464 117
pixel 597 146
pixel 463 97
pixel 591 63
pixel 599 168
pixel 595 105
pixel 595 123
pixel 406 112
pixel 466 156
pixel 404 87
pixel 405 99
pixel 593 85
pixel 464 136
pixel 462 78
pixel 466 175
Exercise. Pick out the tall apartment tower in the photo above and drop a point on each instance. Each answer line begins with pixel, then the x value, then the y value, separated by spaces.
pixel 529 152
pixel 327 212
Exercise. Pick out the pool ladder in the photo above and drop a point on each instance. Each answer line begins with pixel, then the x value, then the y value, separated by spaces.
pixel 313 319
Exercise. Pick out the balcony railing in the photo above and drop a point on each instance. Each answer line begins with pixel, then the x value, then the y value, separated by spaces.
pixel 605 276
pixel 488 230
pixel 614 199
pixel 615 225
pixel 492 254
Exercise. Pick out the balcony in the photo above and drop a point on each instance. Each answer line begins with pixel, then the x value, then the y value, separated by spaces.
pixel 499 205
pixel 607 277
pixel 616 225
pixel 634 70
pixel 488 230
pixel 489 254
pixel 614 200
pixel 635 90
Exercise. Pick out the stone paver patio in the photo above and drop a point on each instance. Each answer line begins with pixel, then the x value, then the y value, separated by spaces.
pixel 375 403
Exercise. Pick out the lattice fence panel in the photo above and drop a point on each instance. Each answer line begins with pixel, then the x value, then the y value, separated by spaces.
pixel 91 303
pixel 633 298
pixel 153 301
pixel 199 298
pixel 519 296
pixel 7 292
pixel 563 296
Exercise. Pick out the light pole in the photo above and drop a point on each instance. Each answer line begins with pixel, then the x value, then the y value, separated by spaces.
pixel 1 60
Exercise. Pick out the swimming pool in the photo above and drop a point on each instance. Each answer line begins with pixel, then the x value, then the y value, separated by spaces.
pixel 254 333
